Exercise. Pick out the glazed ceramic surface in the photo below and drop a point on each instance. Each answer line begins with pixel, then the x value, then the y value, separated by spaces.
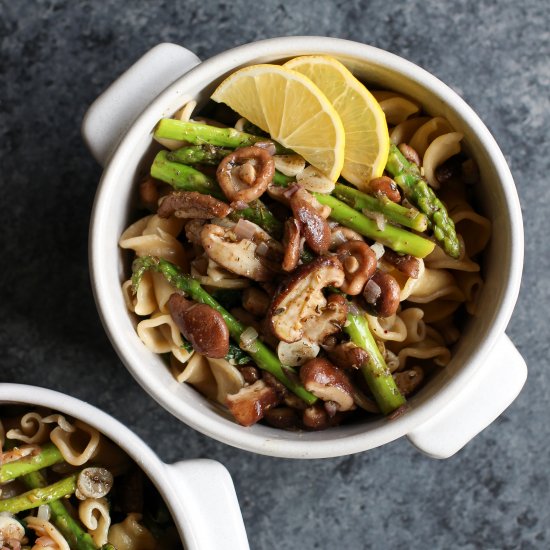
pixel 453 407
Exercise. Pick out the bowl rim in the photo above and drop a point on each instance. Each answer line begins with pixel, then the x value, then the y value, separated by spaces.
pixel 306 447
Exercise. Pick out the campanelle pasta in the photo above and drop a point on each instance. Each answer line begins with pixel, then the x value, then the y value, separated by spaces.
pixel 246 265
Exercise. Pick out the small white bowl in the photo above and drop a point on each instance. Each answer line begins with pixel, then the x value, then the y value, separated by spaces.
pixel 486 372
pixel 194 490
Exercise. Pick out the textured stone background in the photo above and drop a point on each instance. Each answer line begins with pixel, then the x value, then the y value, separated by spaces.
pixel 57 56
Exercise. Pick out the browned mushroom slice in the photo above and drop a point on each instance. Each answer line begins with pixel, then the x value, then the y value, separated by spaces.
pixel 333 317
pixel 245 174
pixel 300 297
pixel 328 383
pixel 311 216
pixel 292 243
pixel 382 294
pixel 409 381
pixel 359 262
pixel 201 324
pixel 189 204
pixel 249 405
pixel 347 355
pixel 407 264
pixel 238 256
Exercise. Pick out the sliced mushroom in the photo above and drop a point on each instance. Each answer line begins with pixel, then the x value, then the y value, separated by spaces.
pixel 316 418
pixel 285 418
pixel 359 262
pixel 300 297
pixel 292 241
pixel 340 234
pixel 385 186
pixel 328 383
pixel 93 483
pixel 347 355
pixel 201 324
pixel 407 264
pixel 297 353
pixel 408 381
pixel 189 204
pixel 331 320
pixel 234 188
pixel 382 294
pixel 237 256
pixel 249 405
pixel 149 193
pixel 311 216
pixel 256 301
pixel 193 230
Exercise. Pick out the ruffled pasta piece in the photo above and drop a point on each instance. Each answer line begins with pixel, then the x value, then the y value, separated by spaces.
pixel 143 302
pixel 33 430
pixel 414 324
pixel 435 284
pixel 425 349
pixel 471 285
pixel 434 128
pixel 403 132
pixel 160 334
pixel 407 284
pixel 474 228
pixel 448 330
pixel 440 149
pixel 131 535
pixel 162 290
pixel 396 107
pixel 48 536
pixel 439 260
pixel 439 309
pixel 73 455
pixel 390 328
pixel 94 514
pixel 229 380
pixel 196 372
pixel 155 236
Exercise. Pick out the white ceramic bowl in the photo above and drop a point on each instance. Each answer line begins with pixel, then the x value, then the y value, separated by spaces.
pixel 194 490
pixel 486 372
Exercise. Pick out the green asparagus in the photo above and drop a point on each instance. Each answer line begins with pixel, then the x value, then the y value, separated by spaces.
pixel 375 371
pixel 75 535
pixel 39 495
pixel 262 355
pixel 397 239
pixel 186 178
pixel 198 154
pixel 407 217
pixel 407 175
pixel 204 134
pixel 49 455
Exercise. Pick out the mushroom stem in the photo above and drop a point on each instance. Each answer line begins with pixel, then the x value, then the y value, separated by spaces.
pixel 262 355
pixel 376 372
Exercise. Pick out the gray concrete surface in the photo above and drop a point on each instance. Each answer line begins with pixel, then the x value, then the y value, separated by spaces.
pixel 56 56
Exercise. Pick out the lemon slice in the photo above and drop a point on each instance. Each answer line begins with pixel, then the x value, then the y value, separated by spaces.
pixel 292 109
pixel 367 139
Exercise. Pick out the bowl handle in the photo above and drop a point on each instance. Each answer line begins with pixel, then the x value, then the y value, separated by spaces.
pixel 489 392
pixel 209 505
pixel 112 113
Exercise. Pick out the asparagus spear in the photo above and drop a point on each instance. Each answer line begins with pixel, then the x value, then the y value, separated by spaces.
pixel 262 355
pixel 76 536
pixel 49 454
pixel 407 217
pixel 375 371
pixel 407 175
pixel 204 134
pixel 396 238
pixel 198 154
pixel 186 178
pixel 39 495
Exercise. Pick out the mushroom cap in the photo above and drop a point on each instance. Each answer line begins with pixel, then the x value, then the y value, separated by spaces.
pixel 328 383
pixel 239 256
pixel 300 297
pixel 93 483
